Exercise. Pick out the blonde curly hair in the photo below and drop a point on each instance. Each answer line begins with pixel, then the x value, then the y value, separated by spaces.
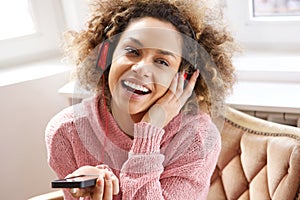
pixel 208 30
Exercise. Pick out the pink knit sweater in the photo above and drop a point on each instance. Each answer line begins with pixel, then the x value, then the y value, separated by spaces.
pixel 171 163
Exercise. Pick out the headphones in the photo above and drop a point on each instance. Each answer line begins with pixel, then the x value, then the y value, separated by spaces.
pixel 192 68
pixel 105 53
pixel 104 56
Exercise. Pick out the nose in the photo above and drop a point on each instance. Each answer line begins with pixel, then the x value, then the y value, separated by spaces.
pixel 142 68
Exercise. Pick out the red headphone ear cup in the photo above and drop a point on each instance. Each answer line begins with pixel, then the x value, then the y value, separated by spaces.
pixel 103 55
pixel 185 76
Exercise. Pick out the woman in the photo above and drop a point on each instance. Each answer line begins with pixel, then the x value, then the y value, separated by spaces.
pixel 161 73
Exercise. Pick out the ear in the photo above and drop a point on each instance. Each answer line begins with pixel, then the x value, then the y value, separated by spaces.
pixel 103 56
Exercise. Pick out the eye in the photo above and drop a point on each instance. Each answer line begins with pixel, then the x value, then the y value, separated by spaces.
pixel 162 62
pixel 132 51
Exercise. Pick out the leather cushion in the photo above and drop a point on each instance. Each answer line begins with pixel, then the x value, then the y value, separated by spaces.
pixel 256 165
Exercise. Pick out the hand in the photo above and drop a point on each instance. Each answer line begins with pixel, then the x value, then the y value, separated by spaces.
pixel 169 105
pixel 106 186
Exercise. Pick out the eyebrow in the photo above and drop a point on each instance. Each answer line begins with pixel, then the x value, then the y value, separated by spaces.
pixel 163 52
pixel 168 53
pixel 136 41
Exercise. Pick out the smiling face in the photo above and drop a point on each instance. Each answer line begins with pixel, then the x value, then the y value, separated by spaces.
pixel 145 61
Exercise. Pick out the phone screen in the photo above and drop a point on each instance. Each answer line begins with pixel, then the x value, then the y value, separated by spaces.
pixel 81 181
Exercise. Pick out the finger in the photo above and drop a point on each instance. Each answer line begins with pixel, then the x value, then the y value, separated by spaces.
pixel 84 170
pixel 180 84
pixel 173 85
pixel 108 187
pixel 69 175
pixel 115 183
pixel 73 192
pixel 191 84
pixel 99 189
pixel 77 192
pixel 189 88
pixel 102 166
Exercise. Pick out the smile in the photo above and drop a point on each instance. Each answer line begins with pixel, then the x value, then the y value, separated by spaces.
pixel 135 88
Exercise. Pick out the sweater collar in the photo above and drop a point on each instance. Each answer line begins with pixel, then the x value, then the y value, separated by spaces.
pixel 101 119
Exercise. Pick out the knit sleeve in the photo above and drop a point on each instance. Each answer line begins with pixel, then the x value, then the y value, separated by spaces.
pixel 59 149
pixel 144 165
pixel 193 167
pixel 145 175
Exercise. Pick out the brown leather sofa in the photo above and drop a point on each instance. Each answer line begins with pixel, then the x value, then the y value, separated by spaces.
pixel 259 160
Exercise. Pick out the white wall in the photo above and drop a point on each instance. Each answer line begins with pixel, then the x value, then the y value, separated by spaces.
pixel 25 110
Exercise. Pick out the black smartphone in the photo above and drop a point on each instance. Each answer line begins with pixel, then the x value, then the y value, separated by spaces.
pixel 81 181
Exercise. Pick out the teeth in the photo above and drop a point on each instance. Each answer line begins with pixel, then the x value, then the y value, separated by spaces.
pixel 135 86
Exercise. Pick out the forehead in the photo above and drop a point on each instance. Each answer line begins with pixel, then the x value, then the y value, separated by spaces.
pixel 154 33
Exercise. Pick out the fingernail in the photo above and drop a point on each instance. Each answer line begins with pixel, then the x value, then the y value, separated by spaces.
pixel 109 169
pixel 197 73
pixel 102 166
pixel 99 182
pixel 73 190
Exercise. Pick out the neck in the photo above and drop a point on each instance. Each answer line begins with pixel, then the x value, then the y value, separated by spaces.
pixel 124 119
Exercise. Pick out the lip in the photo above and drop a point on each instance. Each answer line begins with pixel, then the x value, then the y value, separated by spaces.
pixel 131 94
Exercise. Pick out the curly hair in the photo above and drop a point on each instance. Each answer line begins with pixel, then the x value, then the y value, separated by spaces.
pixel 193 18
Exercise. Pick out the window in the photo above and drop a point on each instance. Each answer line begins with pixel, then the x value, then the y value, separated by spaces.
pixel 276 8
pixel 270 40
pixel 30 30
pixel 15 12
pixel 257 30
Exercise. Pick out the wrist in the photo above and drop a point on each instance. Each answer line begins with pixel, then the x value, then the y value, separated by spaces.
pixel 147 138
pixel 156 116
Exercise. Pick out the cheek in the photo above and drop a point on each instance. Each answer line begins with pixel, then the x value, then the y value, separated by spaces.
pixel 112 78
pixel 111 83
pixel 160 90
pixel 120 66
pixel 164 80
